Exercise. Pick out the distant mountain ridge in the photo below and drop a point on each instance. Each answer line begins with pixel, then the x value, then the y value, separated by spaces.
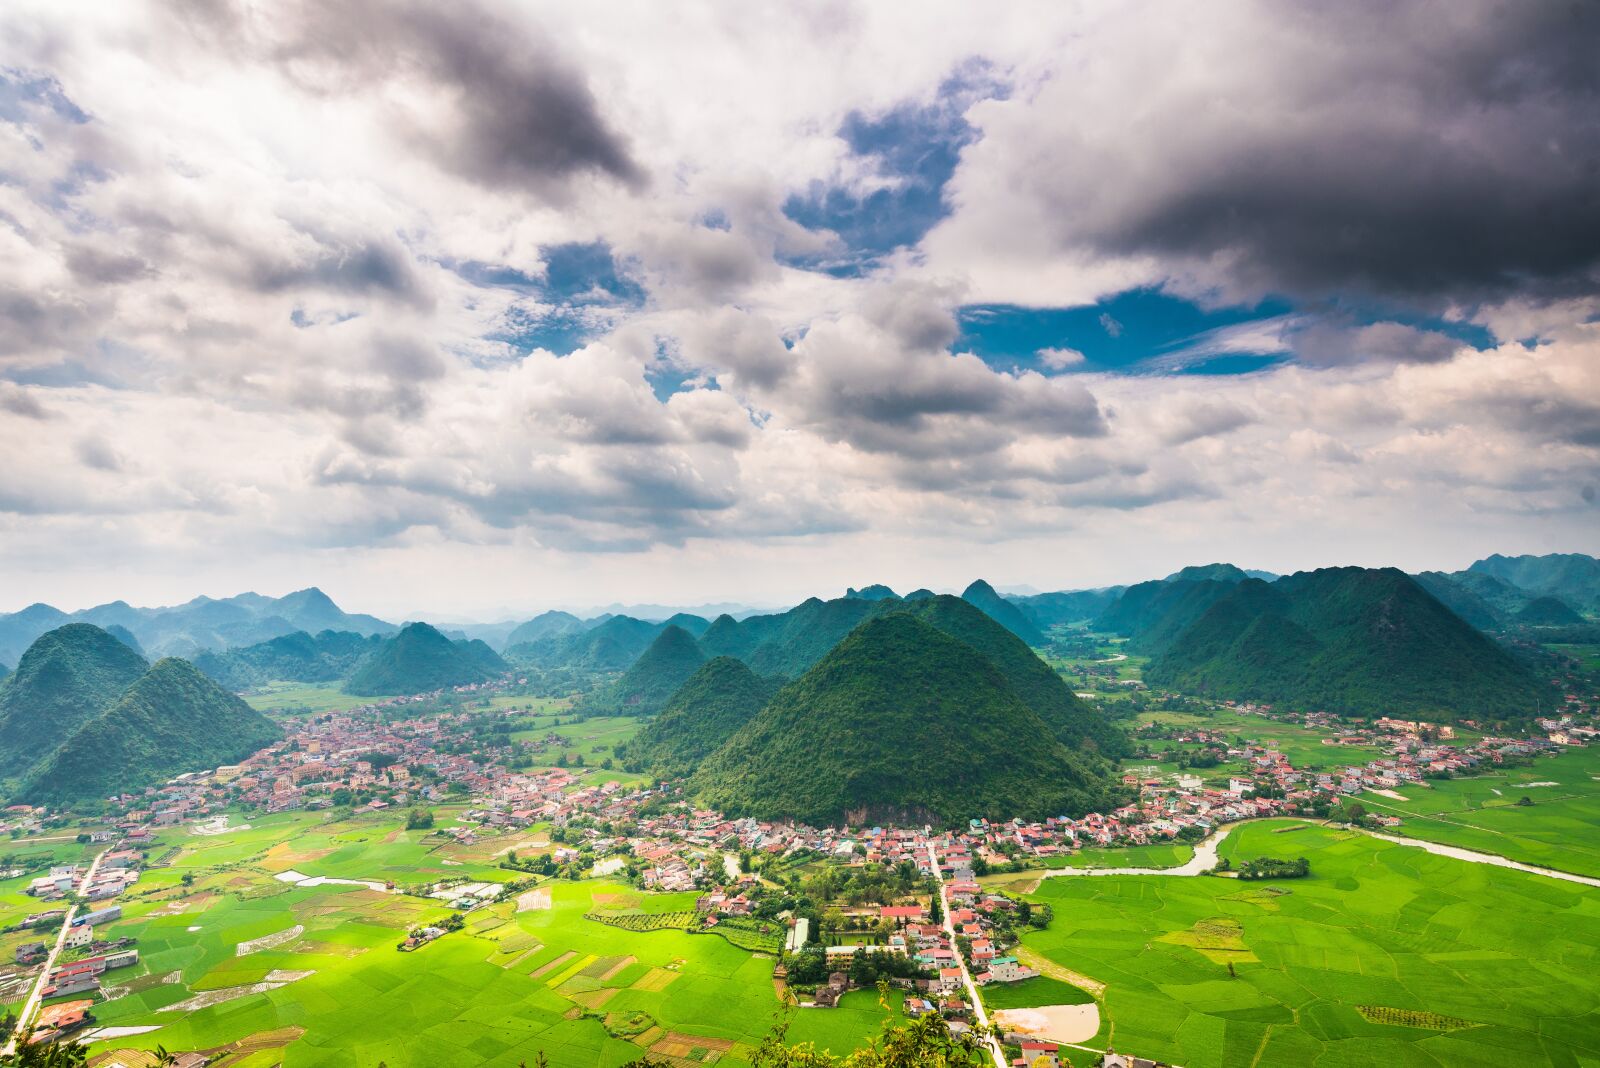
pixel 199 624
pixel 1573 577
pixel 329 656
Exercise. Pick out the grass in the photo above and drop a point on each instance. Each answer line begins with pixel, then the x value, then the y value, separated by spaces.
pixel 509 986
pixel 1556 831
pixel 301 699
pixel 1302 745
pixel 1503 963
pixel 1032 993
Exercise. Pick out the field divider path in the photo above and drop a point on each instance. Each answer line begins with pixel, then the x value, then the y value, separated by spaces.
pixel 966 976
pixel 29 1007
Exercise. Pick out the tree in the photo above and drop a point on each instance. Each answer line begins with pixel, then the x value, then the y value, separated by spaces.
pixel 419 819
pixel 1524 801
pixel 30 1054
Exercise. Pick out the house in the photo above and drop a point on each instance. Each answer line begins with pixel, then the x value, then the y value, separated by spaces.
pixel 28 952
pixel 79 935
pixel 1007 970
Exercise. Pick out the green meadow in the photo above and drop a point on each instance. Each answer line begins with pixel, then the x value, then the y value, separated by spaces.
pixel 1385 956
pixel 1557 830
pixel 298 698
pixel 323 982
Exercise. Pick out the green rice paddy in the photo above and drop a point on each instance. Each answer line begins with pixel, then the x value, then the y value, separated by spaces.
pixel 511 984
pixel 1386 955
pixel 1558 830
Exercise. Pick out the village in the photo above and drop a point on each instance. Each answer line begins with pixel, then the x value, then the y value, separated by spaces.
pixel 940 941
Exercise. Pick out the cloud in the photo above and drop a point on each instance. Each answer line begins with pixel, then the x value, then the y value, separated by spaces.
pixel 1060 359
pixel 1433 155
pixel 485 97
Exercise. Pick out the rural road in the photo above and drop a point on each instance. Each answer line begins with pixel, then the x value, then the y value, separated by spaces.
pixel 25 1014
pixel 1114 658
pixel 1205 858
pixel 966 976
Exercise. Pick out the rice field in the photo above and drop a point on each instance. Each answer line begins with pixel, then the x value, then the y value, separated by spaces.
pixel 323 960
pixel 1384 956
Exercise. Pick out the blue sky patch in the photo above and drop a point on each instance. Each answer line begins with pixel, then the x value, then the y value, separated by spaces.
pixel 580 296
pixel 914 148
pixel 1143 331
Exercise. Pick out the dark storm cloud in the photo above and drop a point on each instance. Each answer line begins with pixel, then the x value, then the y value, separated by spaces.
pixel 521 117
pixel 1427 152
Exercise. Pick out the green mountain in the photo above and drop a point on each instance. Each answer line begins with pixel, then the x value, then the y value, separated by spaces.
pixel 297 657
pixel 1073 722
pixel 18 630
pixel 1462 599
pixel 1151 613
pixel 172 719
pixel 1573 577
pixel 719 698
pixel 919 594
pixel 803 635
pixel 1003 612
pixel 608 646
pixel 899 722
pixel 1548 611
pixel 1212 573
pixel 875 592
pixel 544 625
pixel 420 660
pixel 1066 606
pixel 1346 640
pixel 646 687
pixel 66 677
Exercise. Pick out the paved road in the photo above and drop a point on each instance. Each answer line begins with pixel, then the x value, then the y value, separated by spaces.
pixel 966 976
pixel 25 1016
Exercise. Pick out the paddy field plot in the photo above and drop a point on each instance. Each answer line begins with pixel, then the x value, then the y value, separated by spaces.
pixel 1386 955
pixel 1560 829
pixel 510 985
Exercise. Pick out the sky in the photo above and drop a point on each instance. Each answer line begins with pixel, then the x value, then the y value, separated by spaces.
pixel 480 308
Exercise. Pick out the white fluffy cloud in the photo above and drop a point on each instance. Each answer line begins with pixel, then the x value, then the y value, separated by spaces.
pixel 271 286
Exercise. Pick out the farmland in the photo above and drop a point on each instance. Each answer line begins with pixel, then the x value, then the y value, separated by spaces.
pixel 1557 830
pixel 1386 955
pixel 509 984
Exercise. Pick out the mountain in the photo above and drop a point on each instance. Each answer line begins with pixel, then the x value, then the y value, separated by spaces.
pixel 875 592
pixel 1548 612
pixel 718 699
pixel 1003 612
pixel 203 623
pixel 1462 599
pixel 297 657
pixel 1347 640
pixel 787 643
pixel 1573 577
pixel 1070 720
pixel 611 645
pixel 649 683
pixel 420 660
pixel 125 636
pixel 172 719
pixel 544 625
pixel 919 594
pixel 899 722
pixel 1159 608
pixel 19 629
pixel 1067 606
pixel 1215 573
pixel 66 677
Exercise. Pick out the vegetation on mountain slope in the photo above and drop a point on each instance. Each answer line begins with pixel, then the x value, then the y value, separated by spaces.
pixel 646 687
pixel 297 657
pixel 172 719
pixel 718 699
pixel 1003 612
pixel 900 721
pixel 1072 721
pixel 418 660
pixel 64 679
pixel 1348 640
